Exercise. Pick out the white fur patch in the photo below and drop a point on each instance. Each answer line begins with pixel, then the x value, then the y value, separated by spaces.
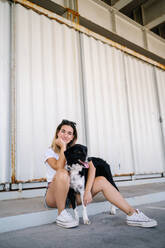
pixel 76 180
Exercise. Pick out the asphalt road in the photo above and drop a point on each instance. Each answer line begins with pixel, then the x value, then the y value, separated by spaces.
pixel 104 231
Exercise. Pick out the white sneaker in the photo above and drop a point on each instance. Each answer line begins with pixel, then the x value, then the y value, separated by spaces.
pixel 66 220
pixel 112 209
pixel 140 219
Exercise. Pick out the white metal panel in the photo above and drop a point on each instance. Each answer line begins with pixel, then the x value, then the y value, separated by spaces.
pixel 156 44
pixel 60 2
pixel 106 105
pixel 160 79
pixel 4 91
pixel 128 29
pixel 48 87
pixel 144 116
pixel 96 13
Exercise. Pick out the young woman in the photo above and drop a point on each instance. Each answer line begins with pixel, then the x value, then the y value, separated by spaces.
pixel 58 182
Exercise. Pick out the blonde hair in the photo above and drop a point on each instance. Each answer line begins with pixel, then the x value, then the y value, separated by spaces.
pixel 72 124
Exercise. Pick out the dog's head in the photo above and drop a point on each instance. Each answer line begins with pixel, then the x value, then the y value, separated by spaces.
pixel 76 154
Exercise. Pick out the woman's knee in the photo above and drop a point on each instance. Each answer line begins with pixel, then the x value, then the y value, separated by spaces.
pixel 101 181
pixel 62 175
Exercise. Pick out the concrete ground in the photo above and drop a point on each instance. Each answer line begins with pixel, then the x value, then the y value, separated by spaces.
pixel 104 231
pixel 26 222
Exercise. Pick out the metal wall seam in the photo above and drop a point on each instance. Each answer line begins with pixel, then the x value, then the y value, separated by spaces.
pixel 129 115
pixel 144 117
pixel 5 92
pixel 160 87
pixel 106 107
pixel 47 88
pixel 87 117
pixel 82 78
pixel 86 31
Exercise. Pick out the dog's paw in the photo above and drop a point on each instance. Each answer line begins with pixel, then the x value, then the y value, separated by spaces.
pixel 112 210
pixel 87 222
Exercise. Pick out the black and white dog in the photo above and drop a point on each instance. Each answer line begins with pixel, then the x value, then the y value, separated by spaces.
pixel 76 157
pixel 77 166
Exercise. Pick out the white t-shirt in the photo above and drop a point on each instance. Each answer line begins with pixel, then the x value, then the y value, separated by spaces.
pixel 50 172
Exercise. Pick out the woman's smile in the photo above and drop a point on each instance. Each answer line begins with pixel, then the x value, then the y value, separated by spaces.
pixel 66 133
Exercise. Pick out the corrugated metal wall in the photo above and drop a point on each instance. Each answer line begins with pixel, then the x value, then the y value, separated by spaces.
pixel 60 73
pixel 122 105
pixel 48 87
pixel 160 78
pixel 4 91
pixel 144 116
pixel 106 104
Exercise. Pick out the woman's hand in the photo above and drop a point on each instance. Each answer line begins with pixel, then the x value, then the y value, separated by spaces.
pixel 59 142
pixel 87 197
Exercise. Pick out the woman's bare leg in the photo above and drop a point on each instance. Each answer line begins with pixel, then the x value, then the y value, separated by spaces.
pixel 58 190
pixel 111 194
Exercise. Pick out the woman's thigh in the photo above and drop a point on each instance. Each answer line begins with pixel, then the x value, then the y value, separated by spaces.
pixel 99 184
pixel 61 179
pixel 50 195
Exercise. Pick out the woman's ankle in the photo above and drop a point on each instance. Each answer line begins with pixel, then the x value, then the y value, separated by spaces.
pixel 131 212
pixel 60 210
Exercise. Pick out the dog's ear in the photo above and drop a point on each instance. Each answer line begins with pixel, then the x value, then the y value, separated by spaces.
pixel 81 147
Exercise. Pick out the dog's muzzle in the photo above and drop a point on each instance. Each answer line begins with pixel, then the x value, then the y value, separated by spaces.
pixel 85 164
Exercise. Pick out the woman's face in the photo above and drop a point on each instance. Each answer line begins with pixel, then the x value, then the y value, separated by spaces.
pixel 66 133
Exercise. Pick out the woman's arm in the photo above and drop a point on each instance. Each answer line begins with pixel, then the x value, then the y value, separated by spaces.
pixel 57 164
pixel 89 184
pixel 60 163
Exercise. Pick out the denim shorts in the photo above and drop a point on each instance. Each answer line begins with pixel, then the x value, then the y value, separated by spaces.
pixel 67 204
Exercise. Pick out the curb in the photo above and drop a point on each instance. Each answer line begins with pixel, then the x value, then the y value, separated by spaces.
pixel 19 222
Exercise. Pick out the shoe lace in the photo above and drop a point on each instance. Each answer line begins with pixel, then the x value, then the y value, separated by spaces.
pixel 66 214
pixel 141 216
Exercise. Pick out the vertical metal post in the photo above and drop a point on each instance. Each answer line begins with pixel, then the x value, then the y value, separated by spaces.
pixel 144 30
pixel 72 10
pixel 13 94
pixel 76 5
pixel 145 39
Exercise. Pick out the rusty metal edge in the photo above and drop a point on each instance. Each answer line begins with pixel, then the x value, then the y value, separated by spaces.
pixel 31 181
pixel 13 95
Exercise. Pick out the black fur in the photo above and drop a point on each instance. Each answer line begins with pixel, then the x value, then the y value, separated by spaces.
pixel 103 169
pixel 74 153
